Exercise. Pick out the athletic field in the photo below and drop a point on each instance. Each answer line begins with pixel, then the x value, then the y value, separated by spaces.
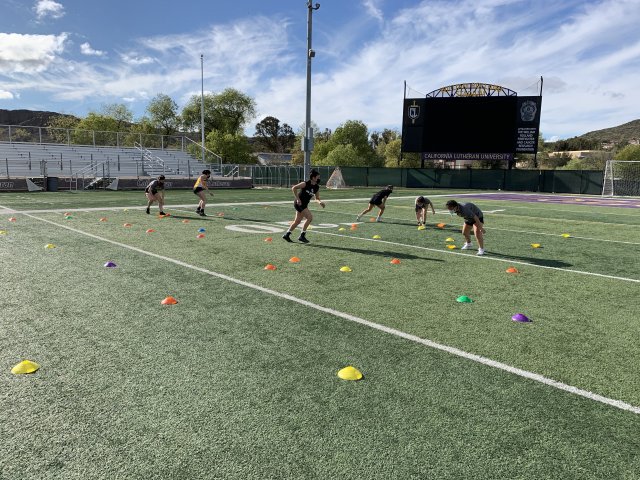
pixel 238 380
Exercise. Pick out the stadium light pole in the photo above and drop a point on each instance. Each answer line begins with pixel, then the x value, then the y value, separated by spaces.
pixel 202 102
pixel 308 131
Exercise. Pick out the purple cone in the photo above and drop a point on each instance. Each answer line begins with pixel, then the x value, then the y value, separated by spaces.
pixel 110 265
pixel 520 317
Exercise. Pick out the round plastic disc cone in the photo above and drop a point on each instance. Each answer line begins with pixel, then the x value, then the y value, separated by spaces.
pixel 126 210
pixel 200 235
pixel 372 219
pixel 377 236
pixel 127 225
pixel 353 227
pixel 25 366
pixel 221 214
pixel 49 245
pixel 185 221
pixel 268 239
pixel 150 230
pixel 294 259
pixel 350 373
pixel 536 245
pixel 103 219
pixel 395 261
pixel 110 265
pixel 269 267
pixel 341 229
pixel 3 232
pixel 512 270
pixel 441 225
pixel 566 235
pixel 68 217
pixel 345 269
pixel 451 247
pixel 449 239
pixel 169 301
pixel 201 230
pixel 464 299
pixel 12 219
pixel 422 227
pixel 520 317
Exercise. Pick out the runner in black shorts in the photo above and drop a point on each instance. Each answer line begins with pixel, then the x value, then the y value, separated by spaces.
pixel 308 190
pixel 421 209
pixel 198 188
pixel 155 193
pixel 472 218
pixel 379 200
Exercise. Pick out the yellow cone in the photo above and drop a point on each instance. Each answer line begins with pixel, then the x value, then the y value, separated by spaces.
pixel 536 245
pixel 449 239
pixel 3 232
pixel 25 366
pixel 345 269
pixel 350 373
pixel 451 247
pixel 49 245
pixel 377 236
pixel 422 227
pixel 566 235
pixel 341 229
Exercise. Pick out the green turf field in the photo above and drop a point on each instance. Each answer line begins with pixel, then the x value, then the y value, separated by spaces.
pixel 238 380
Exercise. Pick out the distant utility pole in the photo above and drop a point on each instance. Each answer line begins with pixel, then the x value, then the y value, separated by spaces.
pixel 307 142
pixel 202 102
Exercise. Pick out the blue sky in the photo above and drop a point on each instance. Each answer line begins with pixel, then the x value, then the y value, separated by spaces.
pixel 74 56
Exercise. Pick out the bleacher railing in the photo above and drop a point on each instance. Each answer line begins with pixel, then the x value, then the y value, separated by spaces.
pixel 93 138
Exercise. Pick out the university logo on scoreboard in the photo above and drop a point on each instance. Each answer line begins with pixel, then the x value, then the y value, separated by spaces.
pixel 413 112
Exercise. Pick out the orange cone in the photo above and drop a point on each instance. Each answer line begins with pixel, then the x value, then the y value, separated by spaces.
pixel 127 225
pixel 268 239
pixel 372 219
pixel 169 301
pixel 150 230
pixel 221 214
pixel 353 227
pixel 270 267
pixel 512 270
pixel 395 261
pixel 441 225
pixel 12 219
pixel 294 259
pixel 200 235
pixel 103 219
pixel 185 221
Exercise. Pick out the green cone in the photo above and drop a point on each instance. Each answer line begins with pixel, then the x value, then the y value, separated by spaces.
pixel 464 299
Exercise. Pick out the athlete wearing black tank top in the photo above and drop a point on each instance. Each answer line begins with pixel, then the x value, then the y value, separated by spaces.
pixel 304 192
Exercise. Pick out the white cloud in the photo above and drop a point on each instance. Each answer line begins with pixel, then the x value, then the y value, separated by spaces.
pixel 373 9
pixel 29 53
pixel 133 59
pixel 48 8
pixel 86 49
pixel 5 95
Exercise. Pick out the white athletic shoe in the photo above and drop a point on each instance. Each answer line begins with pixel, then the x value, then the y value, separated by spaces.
pixel 466 246
pixel 358 218
pixel 480 251
pixel 378 219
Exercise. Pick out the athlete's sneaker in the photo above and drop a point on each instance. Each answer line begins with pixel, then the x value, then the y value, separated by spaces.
pixel 287 237
pixel 480 251
pixel 202 214
pixel 148 211
pixel 198 211
pixel 162 213
pixel 466 246
pixel 378 220
pixel 303 238
pixel 358 218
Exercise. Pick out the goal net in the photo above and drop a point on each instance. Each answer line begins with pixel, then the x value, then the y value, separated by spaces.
pixel 621 179
pixel 336 180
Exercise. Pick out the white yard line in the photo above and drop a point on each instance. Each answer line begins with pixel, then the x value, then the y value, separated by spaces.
pixel 352 318
pixel 6 210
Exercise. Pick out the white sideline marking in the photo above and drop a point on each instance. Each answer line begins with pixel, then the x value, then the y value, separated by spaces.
pixel 392 331
pixel 6 210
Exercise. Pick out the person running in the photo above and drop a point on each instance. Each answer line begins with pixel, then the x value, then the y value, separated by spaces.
pixel 421 209
pixel 472 218
pixel 155 193
pixel 304 192
pixel 379 200
pixel 199 188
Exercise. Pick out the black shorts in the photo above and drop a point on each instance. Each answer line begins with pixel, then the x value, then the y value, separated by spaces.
pixel 375 201
pixel 471 222
pixel 300 208
pixel 197 190
pixel 419 208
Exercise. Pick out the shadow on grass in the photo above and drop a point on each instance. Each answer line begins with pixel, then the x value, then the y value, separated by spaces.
pixel 544 262
pixel 386 253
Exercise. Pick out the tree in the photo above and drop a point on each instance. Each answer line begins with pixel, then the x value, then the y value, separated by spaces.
pixel 355 134
pixel 232 147
pixel 630 152
pixel 227 112
pixel 343 156
pixel 60 125
pixel 120 113
pixel 163 114
pixel 273 136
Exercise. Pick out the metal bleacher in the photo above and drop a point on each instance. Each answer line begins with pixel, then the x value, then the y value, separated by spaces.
pixel 32 159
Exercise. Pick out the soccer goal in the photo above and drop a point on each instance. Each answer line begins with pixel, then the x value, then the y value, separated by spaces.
pixel 621 179
pixel 336 180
